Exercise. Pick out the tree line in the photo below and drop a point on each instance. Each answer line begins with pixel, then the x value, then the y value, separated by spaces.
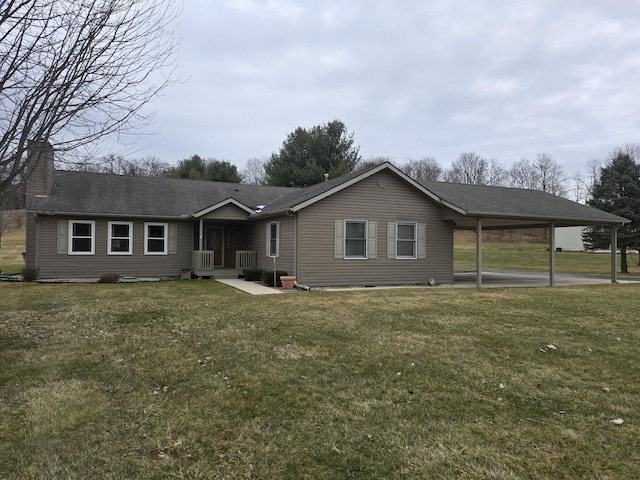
pixel 307 154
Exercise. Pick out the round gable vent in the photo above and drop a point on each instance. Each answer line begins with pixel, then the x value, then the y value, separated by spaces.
pixel 382 182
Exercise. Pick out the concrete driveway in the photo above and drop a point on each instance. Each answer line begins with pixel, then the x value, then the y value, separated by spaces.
pixel 490 279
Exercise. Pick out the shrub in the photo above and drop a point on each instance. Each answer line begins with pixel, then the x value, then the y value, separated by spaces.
pixel 30 274
pixel 109 278
pixel 267 277
pixel 252 274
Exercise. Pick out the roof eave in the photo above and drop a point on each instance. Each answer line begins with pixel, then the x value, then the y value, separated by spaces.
pixel 574 220
pixel 275 213
pixel 53 213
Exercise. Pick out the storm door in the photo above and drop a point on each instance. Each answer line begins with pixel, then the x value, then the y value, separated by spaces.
pixel 214 241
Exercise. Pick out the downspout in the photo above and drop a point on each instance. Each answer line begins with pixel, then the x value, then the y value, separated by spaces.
pixel 552 249
pixel 297 285
pixel 479 252
pixel 36 263
pixel 614 250
pixel 295 241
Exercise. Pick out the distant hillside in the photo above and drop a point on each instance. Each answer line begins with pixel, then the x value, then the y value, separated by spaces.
pixel 527 235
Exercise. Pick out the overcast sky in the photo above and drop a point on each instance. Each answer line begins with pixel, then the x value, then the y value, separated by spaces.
pixel 412 78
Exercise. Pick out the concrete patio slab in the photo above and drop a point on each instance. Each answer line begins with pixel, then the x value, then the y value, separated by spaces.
pixel 499 278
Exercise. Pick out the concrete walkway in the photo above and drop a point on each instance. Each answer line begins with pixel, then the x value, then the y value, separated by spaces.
pixel 249 287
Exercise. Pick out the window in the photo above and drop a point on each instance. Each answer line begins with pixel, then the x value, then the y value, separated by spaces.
pixel 82 237
pixel 120 238
pixel 355 239
pixel 406 240
pixel 273 239
pixel 155 238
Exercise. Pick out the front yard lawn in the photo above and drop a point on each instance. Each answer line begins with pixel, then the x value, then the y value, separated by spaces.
pixel 197 380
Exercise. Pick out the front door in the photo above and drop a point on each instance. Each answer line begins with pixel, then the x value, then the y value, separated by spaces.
pixel 214 241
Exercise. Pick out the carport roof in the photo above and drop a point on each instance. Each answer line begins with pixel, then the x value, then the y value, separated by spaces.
pixel 501 207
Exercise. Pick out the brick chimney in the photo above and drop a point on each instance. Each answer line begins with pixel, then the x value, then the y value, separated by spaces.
pixel 39 170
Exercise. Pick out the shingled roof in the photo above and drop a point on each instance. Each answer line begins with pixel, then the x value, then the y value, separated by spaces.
pixel 300 196
pixel 106 194
pixel 501 206
pixel 84 193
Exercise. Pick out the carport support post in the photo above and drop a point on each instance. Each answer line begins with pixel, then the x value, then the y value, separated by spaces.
pixel 479 252
pixel 614 254
pixel 552 250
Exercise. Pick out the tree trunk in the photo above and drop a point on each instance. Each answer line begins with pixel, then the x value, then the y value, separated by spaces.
pixel 624 267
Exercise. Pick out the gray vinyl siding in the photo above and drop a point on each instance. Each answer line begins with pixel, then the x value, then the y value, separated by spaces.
pixel 286 260
pixel 227 212
pixel 64 266
pixel 366 200
pixel 31 260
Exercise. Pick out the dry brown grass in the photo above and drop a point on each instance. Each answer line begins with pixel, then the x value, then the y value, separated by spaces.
pixel 12 244
pixel 197 380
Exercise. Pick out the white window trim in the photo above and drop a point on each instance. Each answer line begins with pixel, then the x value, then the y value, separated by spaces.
pixel 111 237
pixel 93 237
pixel 269 239
pixel 165 238
pixel 366 240
pixel 415 241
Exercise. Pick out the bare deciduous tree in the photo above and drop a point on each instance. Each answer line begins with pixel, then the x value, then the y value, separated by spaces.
pixel 543 173
pixel 631 149
pixel 426 168
pixel 138 167
pixel 469 168
pixel 253 173
pixel 496 173
pixel 75 71
pixel 551 175
pixel 523 174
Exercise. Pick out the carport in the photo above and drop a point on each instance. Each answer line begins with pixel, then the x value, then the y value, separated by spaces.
pixel 479 208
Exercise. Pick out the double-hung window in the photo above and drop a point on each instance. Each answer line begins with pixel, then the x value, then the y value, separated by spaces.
pixel 273 239
pixel 355 239
pixel 82 237
pixel 155 238
pixel 406 240
pixel 120 238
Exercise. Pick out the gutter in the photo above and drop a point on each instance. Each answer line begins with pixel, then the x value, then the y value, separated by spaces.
pixel 573 220
pixel 51 213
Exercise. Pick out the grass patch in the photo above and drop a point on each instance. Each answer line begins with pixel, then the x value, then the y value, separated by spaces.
pixel 522 251
pixel 13 243
pixel 197 380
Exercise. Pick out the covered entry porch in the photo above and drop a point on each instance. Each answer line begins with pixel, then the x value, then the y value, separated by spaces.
pixel 221 249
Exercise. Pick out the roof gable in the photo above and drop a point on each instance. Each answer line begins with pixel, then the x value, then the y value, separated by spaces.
pixel 307 196
pixel 228 201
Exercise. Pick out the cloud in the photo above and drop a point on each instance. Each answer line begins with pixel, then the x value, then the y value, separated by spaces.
pixel 505 79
